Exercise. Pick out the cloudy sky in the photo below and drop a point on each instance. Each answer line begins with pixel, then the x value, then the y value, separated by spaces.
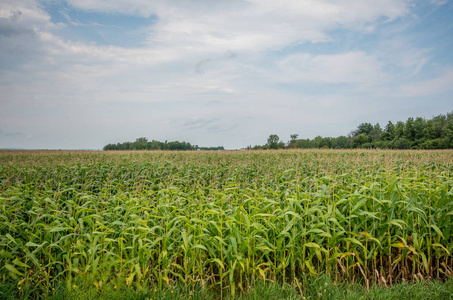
pixel 79 74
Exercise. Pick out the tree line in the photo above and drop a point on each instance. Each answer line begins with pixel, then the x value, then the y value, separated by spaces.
pixel 143 144
pixel 418 133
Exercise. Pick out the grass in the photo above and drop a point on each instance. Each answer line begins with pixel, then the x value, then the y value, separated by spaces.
pixel 315 288
pixel 224 223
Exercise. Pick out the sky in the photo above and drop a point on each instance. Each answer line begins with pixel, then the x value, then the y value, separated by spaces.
pixel 79 74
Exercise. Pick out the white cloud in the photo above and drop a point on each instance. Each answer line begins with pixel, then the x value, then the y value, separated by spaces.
pixel 200 29
pixel 439 2
pixel 438 85
pixel 27 13
pixel 206 67
pixel 205 26
pixel 350 67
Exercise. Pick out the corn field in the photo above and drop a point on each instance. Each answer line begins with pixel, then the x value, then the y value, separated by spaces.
pixel 225 220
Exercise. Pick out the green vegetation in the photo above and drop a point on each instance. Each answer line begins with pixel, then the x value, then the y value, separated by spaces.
pixel 221 223
pixel 435 133
pixel 313 287
pixel 143 144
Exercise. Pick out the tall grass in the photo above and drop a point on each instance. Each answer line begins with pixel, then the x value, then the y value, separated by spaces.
pixel 224 220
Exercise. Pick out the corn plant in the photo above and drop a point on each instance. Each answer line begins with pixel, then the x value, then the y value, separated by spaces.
pixel 224 220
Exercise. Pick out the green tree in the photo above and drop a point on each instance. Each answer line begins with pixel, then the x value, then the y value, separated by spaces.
pixel 364 128
pixel 389 132
pixel 293 142
pixel 359 140
pixel 447 133
pixel 316 142
pixel 438 123
pixel 273 141
pixel 399 130
pixel 342 142
pixel 419 128
pixel 409 129
pixel 303 143
pixel 140 144
pixel 401 143
pixel 376 132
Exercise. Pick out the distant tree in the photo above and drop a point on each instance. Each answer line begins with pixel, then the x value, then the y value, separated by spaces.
pixel 399 130
pixel 401 143
pixel 419 129
pixel 367 145
pixel 389 132
pixel 273 141
pixel 382 144
pixel 326 143
pixel 418 133
pixel 141 140
pixel 409 130
pixel 217 148
pixel 447 133
pixel 342 142
pixel 174 145
pixel 303 143
pixel 144 144
pixel 317 142
pixel 109 147
pixel 359 140
pixel 438 123
pixel 293 141
pixel 376 133
pixel 140 144
pixel 364 128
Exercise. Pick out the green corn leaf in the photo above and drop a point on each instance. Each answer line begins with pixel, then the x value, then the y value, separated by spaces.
pixel 312 245
pixel 437 230
pixel 441 246
pixel 63 228
pixel 13 270
pixel 424 260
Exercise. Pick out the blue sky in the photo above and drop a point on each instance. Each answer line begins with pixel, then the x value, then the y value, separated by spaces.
pixel 81 74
